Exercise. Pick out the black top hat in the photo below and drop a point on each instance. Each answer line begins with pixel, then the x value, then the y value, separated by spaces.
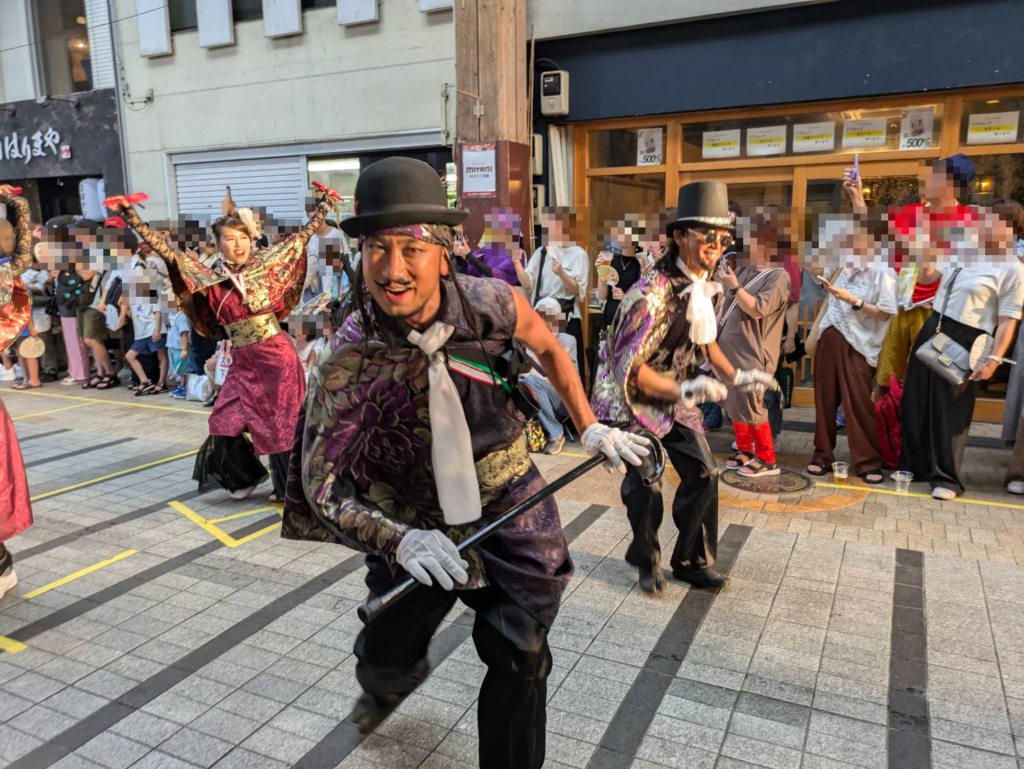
pixel 398 191
pixel 704 203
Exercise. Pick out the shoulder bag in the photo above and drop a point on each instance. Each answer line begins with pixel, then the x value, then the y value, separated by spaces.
pixel 567 305
pixel 941 354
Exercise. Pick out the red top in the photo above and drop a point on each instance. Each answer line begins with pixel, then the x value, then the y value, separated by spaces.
pixel 792 268
pixel 938 224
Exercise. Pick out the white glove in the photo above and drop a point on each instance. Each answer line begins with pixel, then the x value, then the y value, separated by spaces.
pixel 616 445
pixel 703 389
pixel 752 379
pixel 422 551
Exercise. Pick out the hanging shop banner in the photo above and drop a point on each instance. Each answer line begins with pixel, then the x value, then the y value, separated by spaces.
pixel 721 144
pixel 864 134
pixel 916 128
pixel 767 140
pixel 993 128
pixel 814 137
pixel 649 146
pixel 479 170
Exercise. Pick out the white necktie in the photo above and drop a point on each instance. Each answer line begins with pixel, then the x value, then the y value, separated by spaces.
pixel 458 490
pixel 701 310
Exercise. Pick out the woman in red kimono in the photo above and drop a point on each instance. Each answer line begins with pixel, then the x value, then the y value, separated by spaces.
pixel 15 311
pixel 243 298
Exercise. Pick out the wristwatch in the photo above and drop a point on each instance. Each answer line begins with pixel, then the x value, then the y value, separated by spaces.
pixel 857 305
pixel 734 290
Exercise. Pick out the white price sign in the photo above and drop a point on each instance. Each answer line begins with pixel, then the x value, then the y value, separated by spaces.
pixel 993 128
pixel 861 134
pixel 916 128
pixel 649 146
pixel 721 144
pixel 768 140
pixel 814 137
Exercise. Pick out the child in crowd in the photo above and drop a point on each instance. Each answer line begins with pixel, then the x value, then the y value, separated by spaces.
pixel 150 335
pixel 178 352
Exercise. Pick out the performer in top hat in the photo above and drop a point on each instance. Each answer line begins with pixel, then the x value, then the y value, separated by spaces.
pixel 243 298
pixel 662 323
pixel 412 439
pixel 15 312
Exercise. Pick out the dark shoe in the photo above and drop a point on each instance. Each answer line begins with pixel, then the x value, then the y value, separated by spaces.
pixel 701 577
pixel 48 377
pixel 371 711
pixel 652 580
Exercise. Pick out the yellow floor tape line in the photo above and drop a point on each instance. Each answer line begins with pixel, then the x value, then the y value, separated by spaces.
pixel 11 646
pixel 105 401
pixel 50 411
pixel 209 525
pixel 80 573
pixel 119 473
pixel 913 495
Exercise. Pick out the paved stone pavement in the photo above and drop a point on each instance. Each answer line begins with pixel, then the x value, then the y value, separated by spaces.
pixel 155 627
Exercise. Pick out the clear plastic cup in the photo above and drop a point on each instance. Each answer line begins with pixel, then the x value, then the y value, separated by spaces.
pixel 903 479
pixel 841 472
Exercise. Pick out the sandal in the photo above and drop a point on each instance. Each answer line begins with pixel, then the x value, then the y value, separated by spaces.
pixel 758 468
pixel 819 470
pixel 93 383
pixel 876 474
pixel 25 386
pixel 735 462
pixel 109 381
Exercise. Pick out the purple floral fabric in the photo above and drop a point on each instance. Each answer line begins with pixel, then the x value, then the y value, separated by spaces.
pixel 366 470
pixel 636 337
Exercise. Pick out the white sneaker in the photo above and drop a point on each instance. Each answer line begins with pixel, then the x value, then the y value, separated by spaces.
pixel 8 375
pixel 8 582
pixel 69 381
pixel 735 447
pixel 555 446
pixel 243 493
pixel 941 492
pixel 1015 487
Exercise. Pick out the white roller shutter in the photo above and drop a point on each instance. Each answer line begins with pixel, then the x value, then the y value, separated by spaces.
pixel 17 78
pixel 101 47
pixel 277 184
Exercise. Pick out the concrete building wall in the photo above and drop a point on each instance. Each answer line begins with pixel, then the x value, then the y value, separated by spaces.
pixel 568 18
pixel 327 83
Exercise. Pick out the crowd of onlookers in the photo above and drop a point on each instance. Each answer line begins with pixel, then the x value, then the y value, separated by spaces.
pixel 104 310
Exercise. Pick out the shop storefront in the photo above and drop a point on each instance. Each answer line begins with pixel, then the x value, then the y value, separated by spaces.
pixel 778 103
pixel 65 152
pixel 793 157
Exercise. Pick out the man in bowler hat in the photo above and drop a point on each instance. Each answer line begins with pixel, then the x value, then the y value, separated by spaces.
pixel 412 440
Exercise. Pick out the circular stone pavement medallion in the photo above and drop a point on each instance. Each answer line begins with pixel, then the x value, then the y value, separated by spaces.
pixel 786 482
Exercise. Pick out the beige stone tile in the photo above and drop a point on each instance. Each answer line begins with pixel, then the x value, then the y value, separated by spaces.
pixel 914 542
pixel 802 526
pixel 970 550
pixel 894 539
pixel 909 527
pixel 933 530
pixel 885 524
pixel 958 533
pixel 945 547
pixel 984 537
pixel 999 554
pixel 825 530
pixel 871 537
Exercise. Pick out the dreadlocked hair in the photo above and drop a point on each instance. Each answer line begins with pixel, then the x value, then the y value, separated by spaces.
pixel 371 325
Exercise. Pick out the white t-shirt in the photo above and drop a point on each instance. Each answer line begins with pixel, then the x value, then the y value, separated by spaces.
pixel 864 333
pixel 982 295
pixel 575 263
pixel 35 282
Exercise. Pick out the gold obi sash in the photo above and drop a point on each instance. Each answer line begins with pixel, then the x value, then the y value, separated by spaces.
pixel 252 330
pixel 500 469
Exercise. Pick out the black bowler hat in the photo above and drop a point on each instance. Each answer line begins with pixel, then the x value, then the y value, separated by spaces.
pixel 704 203
pixel 396 192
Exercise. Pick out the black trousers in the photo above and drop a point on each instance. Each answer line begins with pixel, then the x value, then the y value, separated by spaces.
pixel 936 414
pixel 694 509
pixel 392 660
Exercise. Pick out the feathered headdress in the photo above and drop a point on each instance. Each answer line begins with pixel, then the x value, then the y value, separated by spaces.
pixel 254 227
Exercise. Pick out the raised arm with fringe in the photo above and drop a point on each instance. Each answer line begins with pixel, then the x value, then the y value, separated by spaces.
pixel 194 275
pixel 21 260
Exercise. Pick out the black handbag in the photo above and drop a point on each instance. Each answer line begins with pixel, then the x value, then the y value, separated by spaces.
pixel 941 354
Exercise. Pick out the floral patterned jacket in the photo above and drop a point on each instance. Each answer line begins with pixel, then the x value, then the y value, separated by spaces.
pixel 271 275
pixel 361 470
pixel 651 309
pixel 15 300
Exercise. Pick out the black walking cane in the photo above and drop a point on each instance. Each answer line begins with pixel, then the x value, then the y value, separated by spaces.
pixel 651 471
